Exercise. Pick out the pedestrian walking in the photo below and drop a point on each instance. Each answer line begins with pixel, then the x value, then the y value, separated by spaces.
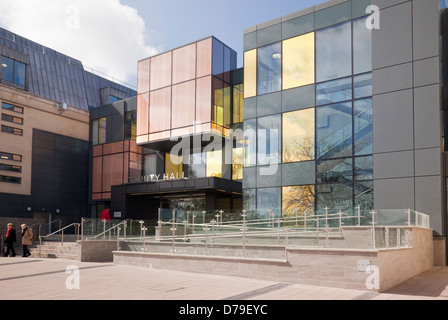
pixel 10 240
pixel 27 239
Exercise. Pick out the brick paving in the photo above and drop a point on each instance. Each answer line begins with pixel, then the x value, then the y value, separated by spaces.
pixel 47 279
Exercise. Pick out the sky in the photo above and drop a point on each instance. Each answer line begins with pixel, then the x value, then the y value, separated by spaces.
pixel 111 36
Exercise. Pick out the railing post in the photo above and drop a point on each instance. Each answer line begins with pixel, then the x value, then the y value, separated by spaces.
pixel 206 238
pixel 244 233
pixel 40 245
pixel 143 232
pixel 409 217
pixel 174 229
pixel 118 238
pixel 386 236
pixel 373 229
pixel 203 216
pixel 359 215
pixel 82 228
pixel 326 216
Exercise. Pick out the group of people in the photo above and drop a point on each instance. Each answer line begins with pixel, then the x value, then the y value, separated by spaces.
pixel 11 238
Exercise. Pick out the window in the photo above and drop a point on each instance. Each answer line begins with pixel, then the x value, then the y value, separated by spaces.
pixel 298 136
pixel 334 137
pixel 363 168
pixel 221 102
pixel 8 167
pixel 298 200
pixel 10 179
pixel 11 130
pixel 214 163
pixel 113 99
pixel 269 139
pixel 334 52
pixel 9 118
pixel 250 73
pixel 237 163
pixel 334 91
pixel 238 103
pixel 335 197
pixel 363 126
pixel 362 85
pixel 10 157
pixel 269 70
pixel 362 47
pixel 298 61
pixel 99 131
pixel 12 108
pixel 339 170
pixel 269 199
pixel 13 71
pixel 194 165
pixel 173 165
pixel 131 124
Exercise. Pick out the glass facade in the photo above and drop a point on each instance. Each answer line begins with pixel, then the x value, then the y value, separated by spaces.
pixel 185 91
pixel 325 121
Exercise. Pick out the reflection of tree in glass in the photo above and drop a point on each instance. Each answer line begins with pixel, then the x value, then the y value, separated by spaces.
pixel 298 200
pixel 300 149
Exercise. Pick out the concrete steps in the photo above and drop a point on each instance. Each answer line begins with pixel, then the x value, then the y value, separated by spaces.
pixel 67 250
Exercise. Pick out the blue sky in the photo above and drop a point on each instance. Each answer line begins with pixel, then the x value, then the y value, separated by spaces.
pixel 173 23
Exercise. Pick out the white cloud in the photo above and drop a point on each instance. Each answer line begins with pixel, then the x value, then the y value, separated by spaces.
pixel 104 34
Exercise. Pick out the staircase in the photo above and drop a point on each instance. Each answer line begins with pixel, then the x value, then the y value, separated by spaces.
pixel 52 249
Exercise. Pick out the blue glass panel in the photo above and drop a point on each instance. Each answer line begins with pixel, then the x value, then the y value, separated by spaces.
pixel 364 196
pixel 339 170
pixel 269 139
pixel 334 138
pixel 19 73
pixel 249 199
pixel 334 91
pixel 363 131
pixel 269 68
pixel 362 85
pixel 7 69
pixel 218 58
pixel 334 196
pixel 364 168
pixel 362 47
pixel 250 143
pixel 334 52
pixel 269 199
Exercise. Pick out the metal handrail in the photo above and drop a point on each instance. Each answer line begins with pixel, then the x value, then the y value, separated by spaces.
pixel 62 233
pixel 124 222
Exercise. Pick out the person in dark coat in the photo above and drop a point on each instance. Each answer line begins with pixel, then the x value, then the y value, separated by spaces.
pixel 9 241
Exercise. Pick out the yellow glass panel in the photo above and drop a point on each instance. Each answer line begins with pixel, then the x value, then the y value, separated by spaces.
pixel 298 200
pixel 173 165
pixel 238 103
pixel 298 61
pixel 214 163
pixel 250 73
pixel 237 164
pixel 298 136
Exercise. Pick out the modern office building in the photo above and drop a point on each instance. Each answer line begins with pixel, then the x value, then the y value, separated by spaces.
pixel 338 107
pixel 187 97
pixel 357 107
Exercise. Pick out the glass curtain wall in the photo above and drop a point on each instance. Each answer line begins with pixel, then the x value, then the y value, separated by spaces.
pixel 330 68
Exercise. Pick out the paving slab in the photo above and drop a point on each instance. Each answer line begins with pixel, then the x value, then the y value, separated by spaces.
pixel 59 279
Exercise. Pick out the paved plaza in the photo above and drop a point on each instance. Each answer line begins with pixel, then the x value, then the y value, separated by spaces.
pixel 57 279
